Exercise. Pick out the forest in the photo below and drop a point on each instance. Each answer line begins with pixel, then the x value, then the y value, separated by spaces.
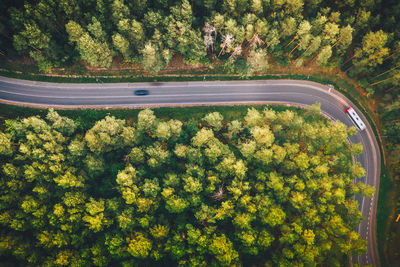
pixel 360 38
pixel 269 188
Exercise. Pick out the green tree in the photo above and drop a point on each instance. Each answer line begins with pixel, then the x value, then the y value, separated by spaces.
pixel 262 136
pixel 94 51
pixel 215 120
pixel 345 38
pixel 293 7
pixel 330 31
pixel 132 31
pixel 202 137
pixel 276 216
pixel 159 231
pixel 38 43
pixel 127 182
pixel 152 60
pixel 105 135
pixel 5 144
pixel 180 35
pixel 96 30
pixel 139 245
pixel 223 250
pixel 69 180
pixel 372 52
pixel 146 120
pixel 324 55
pixel 95 218
pixel 62 124
pixel 175 204
pixel 122 45
pixel 119 10
pixel 257 61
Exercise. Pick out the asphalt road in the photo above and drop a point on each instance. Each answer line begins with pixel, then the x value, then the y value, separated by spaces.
pixel 333 104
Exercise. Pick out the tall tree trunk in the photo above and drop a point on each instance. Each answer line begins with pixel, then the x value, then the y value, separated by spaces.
pixel 391 55
pixel 349 68
pixel 356 55
pixel 43 52
pixel 348 60
pixel 336 43
pixel 222 49
pixel 294 38
pixel 372 84
pixel 294 48
pixel 389 89
pixel 304 52
pixel 314 58
pixel 386 71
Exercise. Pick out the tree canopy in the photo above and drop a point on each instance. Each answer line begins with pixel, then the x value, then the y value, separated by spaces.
pixel 272 188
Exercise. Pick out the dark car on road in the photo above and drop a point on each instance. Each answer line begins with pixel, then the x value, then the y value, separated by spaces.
pixel 141 92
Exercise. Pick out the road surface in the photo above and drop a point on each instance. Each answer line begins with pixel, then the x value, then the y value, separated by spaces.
pixel 333 104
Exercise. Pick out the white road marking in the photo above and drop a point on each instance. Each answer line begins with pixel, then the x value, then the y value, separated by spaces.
pixel 152 95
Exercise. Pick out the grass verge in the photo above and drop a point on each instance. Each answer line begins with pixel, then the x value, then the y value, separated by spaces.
pixel 384 209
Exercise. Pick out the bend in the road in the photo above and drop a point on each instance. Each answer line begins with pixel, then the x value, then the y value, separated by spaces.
pixel 38 94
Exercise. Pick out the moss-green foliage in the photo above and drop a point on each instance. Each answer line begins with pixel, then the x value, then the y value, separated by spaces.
pixel 245 34
pixel 267 188
pixel 361 37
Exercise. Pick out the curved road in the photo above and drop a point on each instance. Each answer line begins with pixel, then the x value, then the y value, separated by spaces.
pixel 31 93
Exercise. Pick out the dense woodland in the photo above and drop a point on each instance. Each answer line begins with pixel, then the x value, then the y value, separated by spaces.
pixel 272 188
pixel 359 37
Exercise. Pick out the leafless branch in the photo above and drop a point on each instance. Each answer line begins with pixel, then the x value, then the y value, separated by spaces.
pixel 236 52
pixel 219 195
